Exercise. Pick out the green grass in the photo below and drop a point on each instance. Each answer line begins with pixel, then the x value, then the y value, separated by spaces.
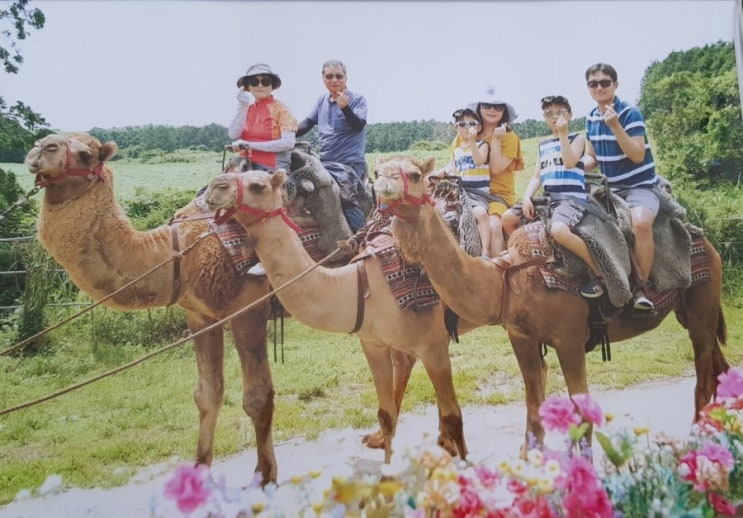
pixel 100 435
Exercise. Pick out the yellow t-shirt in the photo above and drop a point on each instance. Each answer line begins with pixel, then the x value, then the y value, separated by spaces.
pixel 504 184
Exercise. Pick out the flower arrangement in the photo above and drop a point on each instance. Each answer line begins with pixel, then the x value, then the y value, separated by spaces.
pixel 639 476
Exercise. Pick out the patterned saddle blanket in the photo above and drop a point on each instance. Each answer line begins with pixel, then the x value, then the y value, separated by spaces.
pixel 698 260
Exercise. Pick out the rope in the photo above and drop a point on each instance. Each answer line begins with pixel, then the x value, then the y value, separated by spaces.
pixel 26 341
pixel 182 340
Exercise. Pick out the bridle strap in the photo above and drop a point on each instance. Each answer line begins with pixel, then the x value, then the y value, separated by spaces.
pixel 90 174
pixel 222 215
pixel 406 197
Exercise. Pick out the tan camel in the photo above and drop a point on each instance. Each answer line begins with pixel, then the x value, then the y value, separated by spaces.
pixel 329 299
pixel 481 292
pixel 84 228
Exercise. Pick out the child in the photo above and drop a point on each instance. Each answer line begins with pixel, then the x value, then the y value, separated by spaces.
pixel 470 163
pixel 559 169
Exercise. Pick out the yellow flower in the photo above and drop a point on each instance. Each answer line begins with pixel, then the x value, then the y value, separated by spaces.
pixel 535 457
pixel 609 417
pixel 552 468
pixel 641 430
pixel 505 467
pixel 545 485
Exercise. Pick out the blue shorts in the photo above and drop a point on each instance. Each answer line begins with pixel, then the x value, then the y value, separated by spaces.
pixel 641 197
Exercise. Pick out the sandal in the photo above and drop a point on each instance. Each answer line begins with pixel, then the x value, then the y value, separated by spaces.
pixel 643 303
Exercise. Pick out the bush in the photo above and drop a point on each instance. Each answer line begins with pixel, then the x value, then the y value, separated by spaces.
pixel 150 209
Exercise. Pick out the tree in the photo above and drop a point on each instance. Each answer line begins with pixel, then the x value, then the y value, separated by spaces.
pixel 19 124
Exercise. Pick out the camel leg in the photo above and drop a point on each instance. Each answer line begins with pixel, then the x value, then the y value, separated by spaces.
pixel 380 364
pixel 534 372
pixel 402 367
pixel 249 331
pixel 437 362
pixel 209 392
pixel 705 324
pixel 571 354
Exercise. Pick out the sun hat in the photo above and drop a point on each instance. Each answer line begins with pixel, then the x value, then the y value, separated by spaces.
pixel 257 70
pixel 489 97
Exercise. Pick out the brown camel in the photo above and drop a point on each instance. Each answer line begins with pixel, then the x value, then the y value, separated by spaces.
pixel 517 298
pixel 328 299
pixel 84 228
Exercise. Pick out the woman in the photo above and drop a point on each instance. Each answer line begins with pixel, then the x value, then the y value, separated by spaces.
pixel 505 159
pixel 264 131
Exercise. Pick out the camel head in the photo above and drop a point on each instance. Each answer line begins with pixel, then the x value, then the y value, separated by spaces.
pixel 402 181
pixel 257 193
pixel 74 154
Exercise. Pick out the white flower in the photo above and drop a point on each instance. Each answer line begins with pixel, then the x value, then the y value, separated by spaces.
pixel 23 494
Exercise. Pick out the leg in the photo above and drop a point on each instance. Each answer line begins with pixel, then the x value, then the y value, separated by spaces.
pixel 249 331
pixel 483 228
pixel 380 364
pixel 402 366
pixel 563 235
pixel 511 222
pixel 642 228
pixel 534 372
pixel 497 242
pixel 209 392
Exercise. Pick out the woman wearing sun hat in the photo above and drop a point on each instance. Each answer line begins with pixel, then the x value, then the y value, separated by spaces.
pixel 505 159
pixel 266 127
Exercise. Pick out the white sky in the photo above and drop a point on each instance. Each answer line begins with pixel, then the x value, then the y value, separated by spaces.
pixel 121 63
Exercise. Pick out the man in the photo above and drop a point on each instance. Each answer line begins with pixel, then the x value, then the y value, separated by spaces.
pixel 340 117
pixel 618 144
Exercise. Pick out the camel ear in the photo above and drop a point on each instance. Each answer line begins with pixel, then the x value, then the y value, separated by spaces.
pixel 107 151
pixel 278 178
pixel 428 166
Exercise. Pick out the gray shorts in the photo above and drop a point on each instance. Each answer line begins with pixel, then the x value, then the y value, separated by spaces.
pixel 641 197
pixel 568 212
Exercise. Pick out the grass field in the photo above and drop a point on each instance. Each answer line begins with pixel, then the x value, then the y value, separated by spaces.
pixel 102 434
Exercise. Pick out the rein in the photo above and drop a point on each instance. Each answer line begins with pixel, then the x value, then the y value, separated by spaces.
pixel 90 174
pixel 406 197
pixel 221 215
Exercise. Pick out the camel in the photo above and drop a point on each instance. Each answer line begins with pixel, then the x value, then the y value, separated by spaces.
pixel 517 298
pixel 83 227
pixel 329 299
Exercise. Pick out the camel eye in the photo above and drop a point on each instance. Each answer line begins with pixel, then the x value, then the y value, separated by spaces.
pixel 415 176
pixel 85 156
pixel 51 147
pixel 256 188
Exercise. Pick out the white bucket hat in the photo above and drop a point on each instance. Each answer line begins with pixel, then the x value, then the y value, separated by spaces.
pixel 489 97
pixel 260 69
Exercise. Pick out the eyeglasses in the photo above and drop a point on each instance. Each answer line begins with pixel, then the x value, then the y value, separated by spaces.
pixel 330 77
pixel 466 124
pixel 489 106
pixel 265 81
pixel 557 113
pixel 604 83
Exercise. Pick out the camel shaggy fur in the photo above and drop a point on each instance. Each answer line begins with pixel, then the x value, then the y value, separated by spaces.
pixel 328 299
pixel 517 298
pixel 83 228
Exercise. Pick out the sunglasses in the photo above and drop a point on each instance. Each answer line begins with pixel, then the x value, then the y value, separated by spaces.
pixel 466 124
pixel 489 106
pixel 265 81
pixel 558 113
pixel 330 77
pixel 604 83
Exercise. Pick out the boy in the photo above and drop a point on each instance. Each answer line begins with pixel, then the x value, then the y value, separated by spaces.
pixel 560 170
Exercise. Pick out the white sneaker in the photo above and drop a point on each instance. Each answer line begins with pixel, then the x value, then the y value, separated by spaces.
pixel 257 270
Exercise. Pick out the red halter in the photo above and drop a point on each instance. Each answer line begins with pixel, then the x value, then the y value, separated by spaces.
pixel 222 215
pixel 90 174
pixel 406 197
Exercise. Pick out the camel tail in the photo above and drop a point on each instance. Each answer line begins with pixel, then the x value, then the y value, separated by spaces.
pixel 722 330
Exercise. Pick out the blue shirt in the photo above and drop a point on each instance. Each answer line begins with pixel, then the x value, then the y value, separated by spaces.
pixel 614 164
pixel 338 141
pixel 554 176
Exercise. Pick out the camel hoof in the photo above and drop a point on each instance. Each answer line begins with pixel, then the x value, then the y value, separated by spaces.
pixel 448 444
pixel 374 441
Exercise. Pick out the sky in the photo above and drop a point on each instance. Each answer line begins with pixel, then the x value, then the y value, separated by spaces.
pixel 113 64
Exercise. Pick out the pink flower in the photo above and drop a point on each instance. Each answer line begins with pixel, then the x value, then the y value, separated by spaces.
pixel 731 384
pixel 469 500
pixel 589 409
pixel 708 468
pixel 557 414
pixel 586 496
pixel 721 505
pixel 188 487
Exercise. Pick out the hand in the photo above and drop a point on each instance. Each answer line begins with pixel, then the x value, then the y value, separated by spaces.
pixel 611 118
pixel 471 133
pixel 561 125
pixel 342 99
pixel 500 131
pixel 527 208
pixel 240 144
pixel 243 98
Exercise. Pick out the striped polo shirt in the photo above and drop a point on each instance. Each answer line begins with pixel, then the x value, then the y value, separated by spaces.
pixel 555 177
pixel 614 164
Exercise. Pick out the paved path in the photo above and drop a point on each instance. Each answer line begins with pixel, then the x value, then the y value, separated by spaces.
pixel 492 434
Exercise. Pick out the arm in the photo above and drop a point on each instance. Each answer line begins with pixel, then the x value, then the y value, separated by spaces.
pixel 284 143
pixel 534 184
pixel 236 126
pixel 498 162
pixel 479 152
pixel 305 126
pixel 355 115
pixel 589 160
pixel 356 123
pixel 571 151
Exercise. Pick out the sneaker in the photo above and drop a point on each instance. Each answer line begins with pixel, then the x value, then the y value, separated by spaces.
pixel 257 270
pixel 592 289
pixel 643 303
